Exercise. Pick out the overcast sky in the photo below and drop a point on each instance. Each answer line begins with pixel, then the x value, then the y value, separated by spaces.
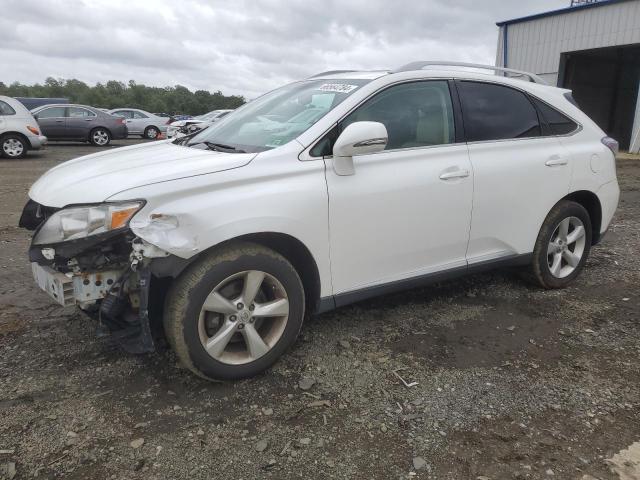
pixel 241 47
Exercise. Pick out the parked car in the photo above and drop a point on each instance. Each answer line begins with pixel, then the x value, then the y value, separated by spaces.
pixel 180 128
pixel 140 122
pixel 80 123
pixel 19 131
pixel 324 192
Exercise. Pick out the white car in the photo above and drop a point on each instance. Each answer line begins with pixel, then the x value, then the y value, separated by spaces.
pixel 141 122
pixel 180 128
pixel 324 192
pixel 19 131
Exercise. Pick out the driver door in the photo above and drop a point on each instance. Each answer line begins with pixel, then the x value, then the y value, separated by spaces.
pixel 406 211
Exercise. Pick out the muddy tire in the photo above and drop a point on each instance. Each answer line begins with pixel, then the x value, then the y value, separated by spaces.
pixel 234 312
pixel 562 246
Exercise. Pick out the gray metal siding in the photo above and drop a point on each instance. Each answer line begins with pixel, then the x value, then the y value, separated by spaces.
pixel 535 46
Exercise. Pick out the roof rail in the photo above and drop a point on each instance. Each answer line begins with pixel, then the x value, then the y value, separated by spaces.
pixel 331 72
pixel 420 65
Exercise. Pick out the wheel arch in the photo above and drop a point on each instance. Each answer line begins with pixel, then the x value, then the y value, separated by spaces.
pixel 21 135
pixel 96 128
pixel 591 203
pixel 291 248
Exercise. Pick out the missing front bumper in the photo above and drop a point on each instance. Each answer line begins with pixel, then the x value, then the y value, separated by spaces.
pixel 74 289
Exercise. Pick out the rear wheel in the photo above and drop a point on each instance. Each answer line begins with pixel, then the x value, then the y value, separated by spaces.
pixel 100 137
pixel 13 146
pixel 562 246
pixel 234 312
pixel 151 132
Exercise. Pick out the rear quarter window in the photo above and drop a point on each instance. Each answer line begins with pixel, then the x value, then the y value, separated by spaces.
pixel 6 109
pixel 559 124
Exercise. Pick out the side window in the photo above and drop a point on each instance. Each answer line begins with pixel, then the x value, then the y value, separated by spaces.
pixel 123 113
pixel 53 112
pixel 416 114
pixel 6 109
pixel 558 123
pixel 139 115
pixel 496 112
pixel 75 112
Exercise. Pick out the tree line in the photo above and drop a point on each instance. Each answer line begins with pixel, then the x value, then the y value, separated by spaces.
pixel 114 94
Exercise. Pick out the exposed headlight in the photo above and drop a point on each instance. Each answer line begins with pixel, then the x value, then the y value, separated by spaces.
pixel 80 222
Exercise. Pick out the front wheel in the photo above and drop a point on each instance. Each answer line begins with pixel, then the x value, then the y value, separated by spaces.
pixel 234 312
pixel 562 246
pixel 100 137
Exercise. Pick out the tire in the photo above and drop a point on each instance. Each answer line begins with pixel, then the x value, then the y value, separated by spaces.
pixel 562 246
pixel 225 272
pixel 13 146
pixel 151 132
pixel 100 137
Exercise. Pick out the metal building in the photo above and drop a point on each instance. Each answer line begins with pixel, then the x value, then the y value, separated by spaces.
pixel 592 48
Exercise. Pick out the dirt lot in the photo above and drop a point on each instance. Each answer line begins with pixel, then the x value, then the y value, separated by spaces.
pixel 513 381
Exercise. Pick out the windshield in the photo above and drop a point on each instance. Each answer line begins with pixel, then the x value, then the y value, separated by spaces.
pixel 279 116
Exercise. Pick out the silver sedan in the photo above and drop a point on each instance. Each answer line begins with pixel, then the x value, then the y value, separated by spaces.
pixel 141 122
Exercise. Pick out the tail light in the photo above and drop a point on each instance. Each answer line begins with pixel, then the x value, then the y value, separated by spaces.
pixel 33 130
pixel 611 144
pixel 120 120
pixel 168 121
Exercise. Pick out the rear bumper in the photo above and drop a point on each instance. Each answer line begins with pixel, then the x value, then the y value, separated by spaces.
pixel 120 133
pixel 38 141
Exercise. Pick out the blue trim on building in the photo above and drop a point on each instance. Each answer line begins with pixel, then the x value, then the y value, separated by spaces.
pixel 559 12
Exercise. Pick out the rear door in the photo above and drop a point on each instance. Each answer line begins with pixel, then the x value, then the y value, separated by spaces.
pixel 128 116
pixel 139 122
pixel 80 121
pixel 52 122
pixel 520 170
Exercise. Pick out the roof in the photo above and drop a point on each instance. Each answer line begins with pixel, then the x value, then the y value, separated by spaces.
pixel 560 12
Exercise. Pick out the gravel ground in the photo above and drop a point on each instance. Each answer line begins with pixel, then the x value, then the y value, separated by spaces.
pixel 512 381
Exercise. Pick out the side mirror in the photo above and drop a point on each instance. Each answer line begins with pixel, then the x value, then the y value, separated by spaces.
pixel 359 138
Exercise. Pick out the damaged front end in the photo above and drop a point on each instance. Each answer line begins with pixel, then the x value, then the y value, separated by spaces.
pixel 87 256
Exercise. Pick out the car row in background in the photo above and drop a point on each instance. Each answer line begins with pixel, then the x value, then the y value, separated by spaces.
pixel 19 130
pixel 180 128
pixel 22 130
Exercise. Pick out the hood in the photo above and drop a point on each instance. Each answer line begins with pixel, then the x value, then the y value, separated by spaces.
pixel 94 178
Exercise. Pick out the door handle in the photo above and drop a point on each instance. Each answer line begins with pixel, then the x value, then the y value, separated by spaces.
pixel 556 161
pixel 88 119
pixel 454 174
pixel 59 121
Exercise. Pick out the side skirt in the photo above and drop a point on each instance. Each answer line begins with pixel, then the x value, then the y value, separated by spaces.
pixel 335 301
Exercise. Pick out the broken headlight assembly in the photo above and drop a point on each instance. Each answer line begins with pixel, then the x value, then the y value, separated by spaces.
pixel 73 223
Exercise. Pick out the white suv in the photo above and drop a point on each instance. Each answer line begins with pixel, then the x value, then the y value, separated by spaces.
pixel 321 193
pixel 19 131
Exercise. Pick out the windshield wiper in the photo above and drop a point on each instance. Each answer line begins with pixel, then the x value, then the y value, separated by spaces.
pixel 218 147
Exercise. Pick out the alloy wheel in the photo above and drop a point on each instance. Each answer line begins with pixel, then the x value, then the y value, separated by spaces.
pixel 243 317
pixel 100 137
pixel 12 147
pixel 152 133
pixel 566 247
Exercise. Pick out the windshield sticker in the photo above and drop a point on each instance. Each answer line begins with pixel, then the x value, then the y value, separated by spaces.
pixel 337 87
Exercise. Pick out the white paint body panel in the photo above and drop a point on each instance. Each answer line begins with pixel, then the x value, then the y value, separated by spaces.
pixel 393 219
